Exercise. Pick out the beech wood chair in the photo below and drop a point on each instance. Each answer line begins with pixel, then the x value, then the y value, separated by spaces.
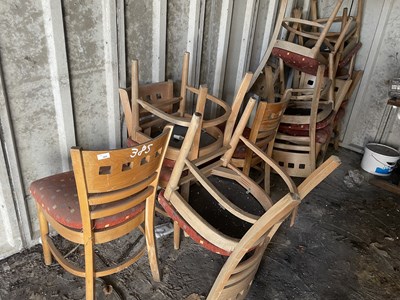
pixel 209 137
pixel 262 133
pixel 236 276
pixel 309 43
pixel 107 195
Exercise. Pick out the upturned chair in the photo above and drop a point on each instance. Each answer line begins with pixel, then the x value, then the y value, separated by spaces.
pixel 306 44
pixel 237 274
pixel 209 137
pixel 107 195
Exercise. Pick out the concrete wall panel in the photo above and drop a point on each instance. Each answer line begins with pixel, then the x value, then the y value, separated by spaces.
pixel 371 119
pixel 177 25
pixel 84 38
pixel 138 33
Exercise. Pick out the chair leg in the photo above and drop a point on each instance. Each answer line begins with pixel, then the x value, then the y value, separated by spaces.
pixel 150 239
pixel 89 266
pixel 44 232
pixel 177 236
pixel 185 189
pixel 267 178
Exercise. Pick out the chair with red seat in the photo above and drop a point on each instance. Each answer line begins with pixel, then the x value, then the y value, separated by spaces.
pixel 262 132
pixel 107 195
pixel 147 116
pixel 246 250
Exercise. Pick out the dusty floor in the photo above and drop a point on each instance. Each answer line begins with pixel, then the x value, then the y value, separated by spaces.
pixel 344 245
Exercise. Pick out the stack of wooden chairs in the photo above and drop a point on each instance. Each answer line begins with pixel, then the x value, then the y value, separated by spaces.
pixel 188 164
pixel 169 148
pixel 315 57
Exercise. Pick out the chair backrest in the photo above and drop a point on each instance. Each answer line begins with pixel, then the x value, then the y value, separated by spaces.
pixel 112 181
pixel 159 94
pixel 237 274
pixel 296 29
pixel 264 128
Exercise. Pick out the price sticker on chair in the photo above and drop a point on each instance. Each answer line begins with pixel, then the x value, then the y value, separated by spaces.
pixel 145 149
pixel 103 156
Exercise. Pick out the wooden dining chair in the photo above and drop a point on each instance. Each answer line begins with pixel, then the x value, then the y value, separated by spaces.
pixel 108 194
pixel 209 137
pixel 245 252
pixel 262 133
pixel 302 141
pixel 305 44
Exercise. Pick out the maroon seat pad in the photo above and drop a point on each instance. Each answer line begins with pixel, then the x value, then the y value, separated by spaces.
pixel 297 61
pixel 57 195
pixel 240 151
pixel 170 210
pixel 306 127
pixel 321 136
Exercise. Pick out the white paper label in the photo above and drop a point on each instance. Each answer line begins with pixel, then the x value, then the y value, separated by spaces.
pixel 103 156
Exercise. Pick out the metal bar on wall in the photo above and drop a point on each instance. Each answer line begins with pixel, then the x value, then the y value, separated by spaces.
pixel 247 40
pixel 121 43
pixel 194 44
pixel 222 47
pixel 13 242
pixel 13 168
pixel 59 76
pixel 159 39
pixel 109 13
pixel 269 25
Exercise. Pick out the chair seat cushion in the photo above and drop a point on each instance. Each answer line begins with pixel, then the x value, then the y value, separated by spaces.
pixel 57 195
pixel 240 151
pixel 170 210
pixel 306 127
pixel 297 61
pixel 321 137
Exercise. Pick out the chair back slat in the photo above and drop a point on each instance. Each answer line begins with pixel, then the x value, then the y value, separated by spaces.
pixel 102 211
pixel 153 92
pixel 101 198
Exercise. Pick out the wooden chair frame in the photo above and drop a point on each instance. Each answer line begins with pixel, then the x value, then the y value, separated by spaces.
pixel 139 106
pixel 262 133
pixel 236 276
pixel 108 183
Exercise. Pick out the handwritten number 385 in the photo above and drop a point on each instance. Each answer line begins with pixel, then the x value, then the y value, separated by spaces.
pixel 145 149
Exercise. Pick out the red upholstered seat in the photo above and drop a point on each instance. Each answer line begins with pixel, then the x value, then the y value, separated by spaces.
pixel 170 210
pixel 307 64
pixel 240 151
pixel 306 127
pixel 297 61
pixel 57 194
pixel 321 136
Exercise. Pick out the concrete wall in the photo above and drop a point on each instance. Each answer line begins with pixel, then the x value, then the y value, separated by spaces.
pixel 371 119
pixel 62 61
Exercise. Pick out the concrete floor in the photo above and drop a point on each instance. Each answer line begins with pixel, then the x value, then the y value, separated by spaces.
pixel 344 245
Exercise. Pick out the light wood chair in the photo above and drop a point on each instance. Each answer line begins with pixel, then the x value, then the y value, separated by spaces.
pixel 209 137
pixel 302 141
pixel 236 276
pixel 305 44
pixel 262 133
pixel 107 195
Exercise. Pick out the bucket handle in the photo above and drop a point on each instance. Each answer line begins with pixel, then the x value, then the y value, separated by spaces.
pixel 387 164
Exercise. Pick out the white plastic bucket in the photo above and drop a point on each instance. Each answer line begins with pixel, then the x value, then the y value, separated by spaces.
pixel 379 159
